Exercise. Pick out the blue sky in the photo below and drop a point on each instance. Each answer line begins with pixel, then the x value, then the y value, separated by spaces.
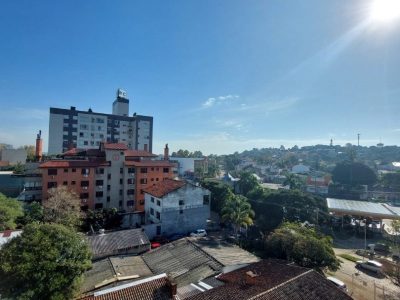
pixel 218 76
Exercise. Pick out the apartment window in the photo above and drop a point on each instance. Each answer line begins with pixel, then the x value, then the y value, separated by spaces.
pixel 130 203
pixel 181 202
pixel 152 211
pixel 152 169
pixel 51 185
pixel 206 199
pixel 143 170
pixel 120 192
pixel 130 192
pixel 181 211
pixel 121 181
pixel 99 182
pixel 52 172
pixel 141 202
pixel 120 203
pixel 130 181
pixel 73 170
pixel 158 202
pixel 156 179
pixel 85 143
pixel 108 176
pixel 108 187
pixel 73 182
pixel 121 170
pixel 131 170
pixel 152 199
pixel 84 195
pixel 158 216
pixel 100 171
pixel 143 180
pixel 85 171
pixel 80 134
pixel 99 194
pixel 108 199
pixel 152 179
pixel 65 183
pixel 165 170
pixel 65 170
pixel 141 192
pixel 98 206
pixel 84 183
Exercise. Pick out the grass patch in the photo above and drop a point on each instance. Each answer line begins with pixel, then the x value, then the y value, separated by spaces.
pixel 348 257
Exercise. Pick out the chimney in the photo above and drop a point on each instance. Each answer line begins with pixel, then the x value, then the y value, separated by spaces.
pixel 172 285
pixel 166 152
pixel 39 147
pixel 251 278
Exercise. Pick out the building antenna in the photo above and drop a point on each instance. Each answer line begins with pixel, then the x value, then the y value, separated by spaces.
pixel 358 139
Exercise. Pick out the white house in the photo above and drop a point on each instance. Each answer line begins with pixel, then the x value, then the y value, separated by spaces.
pixel 177 207
pixel 300 169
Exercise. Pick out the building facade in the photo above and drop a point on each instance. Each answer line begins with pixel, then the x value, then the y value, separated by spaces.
pixel 72 128
pixel 177 207
pixel 109 177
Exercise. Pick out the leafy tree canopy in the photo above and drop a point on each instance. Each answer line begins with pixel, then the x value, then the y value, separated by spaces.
pixel 187 153
pixel 33 212
pixel 237 210
pixel 353 173
pixel 247 182
pixel 62 207
pixel 45 262
pixel 10 210
pixel 275 207
pixel 102 218
pixel 220 194
pixel 305 246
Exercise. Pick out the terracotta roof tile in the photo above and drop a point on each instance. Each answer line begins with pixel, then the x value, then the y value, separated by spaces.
pixel 164 187
pixel 70 164
pixel 153 288
pixel 149 163
pixel 115 146
pixel 138 153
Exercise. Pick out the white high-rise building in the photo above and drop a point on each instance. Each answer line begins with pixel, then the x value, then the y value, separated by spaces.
pixel 72 128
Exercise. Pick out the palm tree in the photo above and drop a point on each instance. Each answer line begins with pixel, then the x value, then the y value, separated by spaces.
pixel 237 211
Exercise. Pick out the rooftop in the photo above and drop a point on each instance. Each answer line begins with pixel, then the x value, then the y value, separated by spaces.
pixel 71 164
pixel 164 187
pixel 108 243
pixel 115 146
pixel 149 163
pixel 138 153
pixel 272 279
pixel 7 235
pixel 183 261
pixel 363 208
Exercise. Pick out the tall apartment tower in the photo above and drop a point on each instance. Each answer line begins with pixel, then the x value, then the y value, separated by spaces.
pixel 72 128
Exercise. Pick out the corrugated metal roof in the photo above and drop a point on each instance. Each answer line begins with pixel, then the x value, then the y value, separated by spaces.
pixel 360 207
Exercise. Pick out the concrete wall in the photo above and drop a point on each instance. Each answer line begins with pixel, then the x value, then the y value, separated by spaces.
pixel 14 156
pixel 176 217
pixel 56 134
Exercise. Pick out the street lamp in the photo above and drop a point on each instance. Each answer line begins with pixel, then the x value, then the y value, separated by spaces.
pixel 365 238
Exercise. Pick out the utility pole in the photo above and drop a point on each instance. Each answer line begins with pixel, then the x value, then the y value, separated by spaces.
pixel 358 140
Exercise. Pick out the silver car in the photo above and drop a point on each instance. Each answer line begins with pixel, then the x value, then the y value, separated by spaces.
pixel 371 265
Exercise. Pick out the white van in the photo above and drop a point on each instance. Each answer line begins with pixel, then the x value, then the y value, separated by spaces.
pixel 340 284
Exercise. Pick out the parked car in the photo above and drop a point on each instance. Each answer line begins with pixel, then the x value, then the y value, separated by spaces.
pixel 371 265
pixel 199 233
pixel 155 245
pixel 340 284
pixel 160 239
pixel 380 247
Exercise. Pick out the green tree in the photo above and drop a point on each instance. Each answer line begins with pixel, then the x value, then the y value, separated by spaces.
pixel 220 194
pixel 10 210
pixel 45 262
pixel 102 218
pixel 62 207
pixel 238 212
pixel 353 173
pixel 33 212
pixel 305 246
pixel 247 183
pixel 293 181
pixel 19 168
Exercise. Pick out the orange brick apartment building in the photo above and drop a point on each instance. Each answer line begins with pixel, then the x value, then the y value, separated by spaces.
pixel 111 176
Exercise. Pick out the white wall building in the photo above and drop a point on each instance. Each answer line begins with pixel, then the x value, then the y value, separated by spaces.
pixel 71 128
pixel 177 207
pixel 185 165
pixel 300 169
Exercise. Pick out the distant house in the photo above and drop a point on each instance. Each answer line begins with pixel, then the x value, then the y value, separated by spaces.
pixel 177 207
pixel 300 169
pixel 318 185
pixel 133 241
pixel 6 236
pixel 187 166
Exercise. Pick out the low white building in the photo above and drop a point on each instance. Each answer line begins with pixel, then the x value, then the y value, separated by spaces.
pixel 6 236
pixel 300 169
pixel 186 166
pixel 177 207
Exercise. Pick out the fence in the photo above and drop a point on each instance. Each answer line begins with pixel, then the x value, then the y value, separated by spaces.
pixel 360 289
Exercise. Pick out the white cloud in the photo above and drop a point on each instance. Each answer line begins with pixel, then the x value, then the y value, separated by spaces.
pixel 269 105
pixel 218 100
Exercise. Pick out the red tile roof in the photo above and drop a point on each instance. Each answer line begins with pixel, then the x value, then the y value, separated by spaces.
pixel 164 187
pixel 138 153
pixel 153 288
pixel 115 146
pixel 70 164
pixel 149 163
pixel 83 152
pixel 273 280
